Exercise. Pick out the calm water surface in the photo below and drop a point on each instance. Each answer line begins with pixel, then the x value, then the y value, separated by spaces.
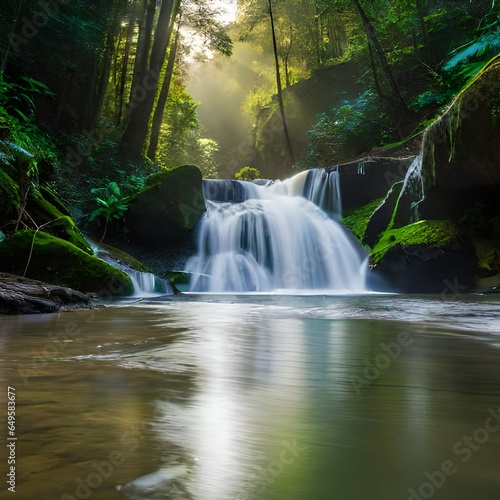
pixel 257 397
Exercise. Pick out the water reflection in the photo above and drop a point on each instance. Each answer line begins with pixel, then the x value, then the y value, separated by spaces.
pixel 258 398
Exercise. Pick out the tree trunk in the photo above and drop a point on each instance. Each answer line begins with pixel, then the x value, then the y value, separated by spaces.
pixel 420 4
pixel 136 132
pixel 162 99
pixel 124 69
pixel 142 50
pixel 375 76
pixel 372 36
pixel 278 84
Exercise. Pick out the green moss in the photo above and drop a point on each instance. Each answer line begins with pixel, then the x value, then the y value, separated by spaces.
pixel 56 261
pixel 357 220
pixel 52 198
pixel 9 197
pixel 436 233
pixel 122 256
pixel 177 278
pixel 58 222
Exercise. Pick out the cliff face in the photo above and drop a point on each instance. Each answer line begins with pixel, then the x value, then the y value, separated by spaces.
pixel 453 191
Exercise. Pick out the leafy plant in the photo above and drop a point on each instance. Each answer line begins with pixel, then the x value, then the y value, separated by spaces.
pixel 346 131
pixel 247 174
pixel 111 205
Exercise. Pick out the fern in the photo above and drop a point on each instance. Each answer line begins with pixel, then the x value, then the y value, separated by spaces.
pixel 482 49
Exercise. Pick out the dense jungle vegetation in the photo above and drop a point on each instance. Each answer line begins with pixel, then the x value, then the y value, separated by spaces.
pixel 93 93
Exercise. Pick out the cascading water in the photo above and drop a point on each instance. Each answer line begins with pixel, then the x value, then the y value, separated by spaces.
pixel 145 284
pixel 264 238
pixel 412 193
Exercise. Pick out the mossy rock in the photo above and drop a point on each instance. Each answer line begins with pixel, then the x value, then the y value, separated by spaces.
pixel 57 217
pixel 168 207
pixel 382 218
pixel 51 196
pixel 425 257
pixel 461 149
pixel 9 197
pixel 121 256
pixel 56 261
pixel 433 233
pixel 357 220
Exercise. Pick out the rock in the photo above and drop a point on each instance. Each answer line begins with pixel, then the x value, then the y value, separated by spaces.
pixel 381 218
pixel 461 149
pixel 425 257
pixel 25 296
pixel 168 207
pixel 365 180
pixel 9 196
pixel 55 218
pixel 54 260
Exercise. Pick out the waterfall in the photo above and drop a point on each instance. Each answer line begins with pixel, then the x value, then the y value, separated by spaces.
pixel 264 238
pixel 412 193
pixel 322 187
pixel 145 284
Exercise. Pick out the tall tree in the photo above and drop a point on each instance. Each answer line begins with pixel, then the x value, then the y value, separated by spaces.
pixel 278 85
pixel 372 36
pixel 135 134
pixel 162 98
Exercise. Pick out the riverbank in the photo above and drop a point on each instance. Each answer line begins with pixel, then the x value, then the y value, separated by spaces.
pixel 25 296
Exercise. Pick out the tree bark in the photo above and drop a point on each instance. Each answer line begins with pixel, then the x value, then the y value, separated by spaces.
pixel 125 63
pixel 420 4
pixel 278 84
pixel 162 99
pixel 142 50
pixel 136 132
pixel 372 36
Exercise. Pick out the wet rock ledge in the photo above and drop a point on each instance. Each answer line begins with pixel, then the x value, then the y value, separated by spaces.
pixel 25 296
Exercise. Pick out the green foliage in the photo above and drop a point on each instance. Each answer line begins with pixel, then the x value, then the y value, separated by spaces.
pixel 247 174
pixel 180 129
pixel 205 157
pixel 345 132
pixel 111 204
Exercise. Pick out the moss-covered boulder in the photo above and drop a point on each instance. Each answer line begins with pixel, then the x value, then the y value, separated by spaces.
pixel 425 257
pixel 461 150
pixel 104 250
pixel 48 211
pixel 9 197
pixel 167 208
pixel 358 220
pixel 45 257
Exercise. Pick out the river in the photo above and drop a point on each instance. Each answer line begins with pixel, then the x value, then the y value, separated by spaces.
pixel 236 397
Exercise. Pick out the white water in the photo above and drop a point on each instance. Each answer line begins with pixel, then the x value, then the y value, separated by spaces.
pixel 145 284
pixel 267 238
pixel 413 187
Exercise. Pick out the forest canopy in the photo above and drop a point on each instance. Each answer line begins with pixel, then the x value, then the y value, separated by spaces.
pixel 98 89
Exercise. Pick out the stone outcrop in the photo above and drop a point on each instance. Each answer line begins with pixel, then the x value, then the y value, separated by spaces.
pixel 25 296
pixel 44 257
